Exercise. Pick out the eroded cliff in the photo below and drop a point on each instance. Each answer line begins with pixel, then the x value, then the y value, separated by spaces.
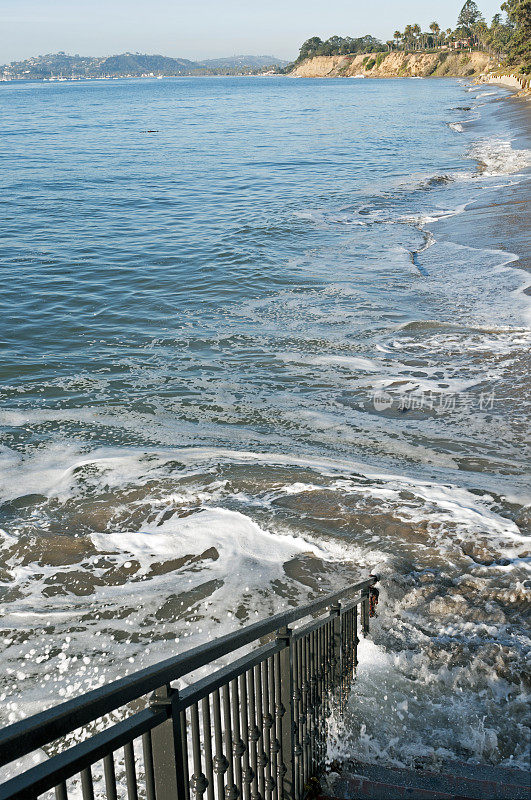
pixel 397 65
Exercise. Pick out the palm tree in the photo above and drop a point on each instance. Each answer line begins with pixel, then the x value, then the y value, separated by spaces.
pixel 397 36
pixel 416 32
pixel 435 29
pixel 408 35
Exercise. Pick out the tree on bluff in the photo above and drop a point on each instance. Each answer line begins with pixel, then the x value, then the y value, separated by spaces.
pixel 469 15
pixel 519 50
pixel 339 46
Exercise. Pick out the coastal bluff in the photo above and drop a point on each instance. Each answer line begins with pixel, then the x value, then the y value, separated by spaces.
pixel 397 64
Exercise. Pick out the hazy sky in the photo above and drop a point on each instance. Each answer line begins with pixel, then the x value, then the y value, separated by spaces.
pixel 205 28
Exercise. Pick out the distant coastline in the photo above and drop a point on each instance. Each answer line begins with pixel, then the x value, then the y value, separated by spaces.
pixel 64 67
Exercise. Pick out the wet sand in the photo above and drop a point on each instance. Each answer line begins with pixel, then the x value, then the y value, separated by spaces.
pixel 501 218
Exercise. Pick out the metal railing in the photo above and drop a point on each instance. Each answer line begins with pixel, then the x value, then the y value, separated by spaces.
pixel 255 729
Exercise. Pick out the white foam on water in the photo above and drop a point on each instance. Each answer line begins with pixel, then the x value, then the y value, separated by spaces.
pixel 352 363
pixel 498 157
pixel 396 701
pixel 391 373
pixel 210 556
pixel 243 548
pixel 116 468
pixel 21 474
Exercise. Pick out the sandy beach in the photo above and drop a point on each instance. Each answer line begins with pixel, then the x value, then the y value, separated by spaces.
pixel 500 219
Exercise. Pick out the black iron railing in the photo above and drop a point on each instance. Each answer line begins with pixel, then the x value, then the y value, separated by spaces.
pixel 255 729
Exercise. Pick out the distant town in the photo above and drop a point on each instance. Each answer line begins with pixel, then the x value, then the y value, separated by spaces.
pixel 61 66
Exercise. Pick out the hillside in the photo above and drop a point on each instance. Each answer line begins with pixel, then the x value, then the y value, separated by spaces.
pixel 397 64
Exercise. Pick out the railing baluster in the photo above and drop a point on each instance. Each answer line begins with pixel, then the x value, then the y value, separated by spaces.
pixel 262 758
pixel 353 623
pixel 266 727
pixel 247 772
pixel 274 746
pixel 149 774
pixel 313 699
pixel 61 792
pixel 321 690
pixel 317 698
pixel 238 747
pixel 297 749
pixel 284 716
pixel 327 657
pixel 254 735
pixel 349 653
pixel 345 655
pixel 220 762
pixel 355 637
pixel 335 613
pixel 130 771
pixel 198 781
pixel 207 742
pixel 309 703
pixel 344 659
pixel 184 745
pixel 231 790
pixel 305 737
pixel 87 785
pixel 110 777
pixel 351 646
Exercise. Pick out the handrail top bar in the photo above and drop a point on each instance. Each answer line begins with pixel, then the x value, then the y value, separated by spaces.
pixel 28 734
pixel 313 625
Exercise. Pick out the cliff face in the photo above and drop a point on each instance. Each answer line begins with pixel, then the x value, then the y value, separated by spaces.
pixel 397 65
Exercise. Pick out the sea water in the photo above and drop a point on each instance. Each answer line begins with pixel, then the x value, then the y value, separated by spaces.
pixel 258 338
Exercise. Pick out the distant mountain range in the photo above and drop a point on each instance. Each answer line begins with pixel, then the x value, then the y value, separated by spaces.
pixel 61 65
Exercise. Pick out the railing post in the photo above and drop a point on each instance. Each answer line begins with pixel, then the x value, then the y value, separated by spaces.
pixel 284 714
pixel 167 744
pixel 365 612
pixel 335 613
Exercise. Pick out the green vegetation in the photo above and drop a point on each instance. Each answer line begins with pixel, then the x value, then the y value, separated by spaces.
pixel 507 38
pixel 519 44
pixel 337 46
pixel 469 15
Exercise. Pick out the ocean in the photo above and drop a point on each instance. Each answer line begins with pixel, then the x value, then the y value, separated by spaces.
pixel 258 338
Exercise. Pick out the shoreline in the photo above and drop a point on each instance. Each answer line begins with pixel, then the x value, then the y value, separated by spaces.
pixel 521 85
pixel 498 219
